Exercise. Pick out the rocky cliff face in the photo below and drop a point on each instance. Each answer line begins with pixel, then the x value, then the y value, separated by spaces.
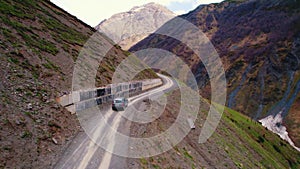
pixel 128 28
pixel 258 42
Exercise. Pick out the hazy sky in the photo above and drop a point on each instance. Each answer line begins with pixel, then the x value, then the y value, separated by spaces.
pixel 94 11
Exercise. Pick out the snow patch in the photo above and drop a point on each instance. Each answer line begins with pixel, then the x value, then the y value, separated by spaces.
pixel 274 124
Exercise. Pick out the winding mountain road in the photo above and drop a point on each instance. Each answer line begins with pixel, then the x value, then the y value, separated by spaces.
pixel 85 153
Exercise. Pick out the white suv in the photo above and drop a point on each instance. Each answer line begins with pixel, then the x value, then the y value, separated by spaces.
pixel 119 103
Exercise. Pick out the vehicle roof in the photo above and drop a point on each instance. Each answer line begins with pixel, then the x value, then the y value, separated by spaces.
pixel 119 98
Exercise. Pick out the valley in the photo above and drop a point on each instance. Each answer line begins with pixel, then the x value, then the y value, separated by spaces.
pixel 45 52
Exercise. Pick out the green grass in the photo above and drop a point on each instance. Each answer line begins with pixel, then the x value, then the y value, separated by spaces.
pixel 26 134
pixel 11 9
pixel 50 65
pixel 6 32
pixel 29 37
pixel 155 166
pixel 35 70
pixel 274 151
pixel 13 60
pixel 42 44
pixel 143 161
pixel 187 155
pixel 16 25
pixel 27 113
pixel 62 32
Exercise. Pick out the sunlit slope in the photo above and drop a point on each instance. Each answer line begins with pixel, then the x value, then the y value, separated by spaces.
pixel 238 142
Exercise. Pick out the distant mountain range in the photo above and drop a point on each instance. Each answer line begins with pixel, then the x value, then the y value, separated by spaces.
pixel 259 44
pixel 128 28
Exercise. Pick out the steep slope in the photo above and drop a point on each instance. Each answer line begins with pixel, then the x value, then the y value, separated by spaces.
pixel 238 142
pixel 39 44
pixel 258 42
pixel 128 28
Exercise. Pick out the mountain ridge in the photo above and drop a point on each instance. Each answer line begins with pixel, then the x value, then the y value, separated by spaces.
pixel 258 44
pixel 127 28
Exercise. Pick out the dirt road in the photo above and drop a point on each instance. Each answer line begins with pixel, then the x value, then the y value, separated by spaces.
pixel 92 149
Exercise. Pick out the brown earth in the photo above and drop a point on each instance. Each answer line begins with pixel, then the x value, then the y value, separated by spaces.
pixel 39 44
pixel 293 121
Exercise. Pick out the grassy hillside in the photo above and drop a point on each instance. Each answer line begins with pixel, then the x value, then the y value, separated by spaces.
pixel 39 44
pixel 238 142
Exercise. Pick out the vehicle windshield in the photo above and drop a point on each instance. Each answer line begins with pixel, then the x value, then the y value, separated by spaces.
pixel 118 101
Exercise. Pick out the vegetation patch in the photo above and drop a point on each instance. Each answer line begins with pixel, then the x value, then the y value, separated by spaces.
pixel 267 144
pixel 62 32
